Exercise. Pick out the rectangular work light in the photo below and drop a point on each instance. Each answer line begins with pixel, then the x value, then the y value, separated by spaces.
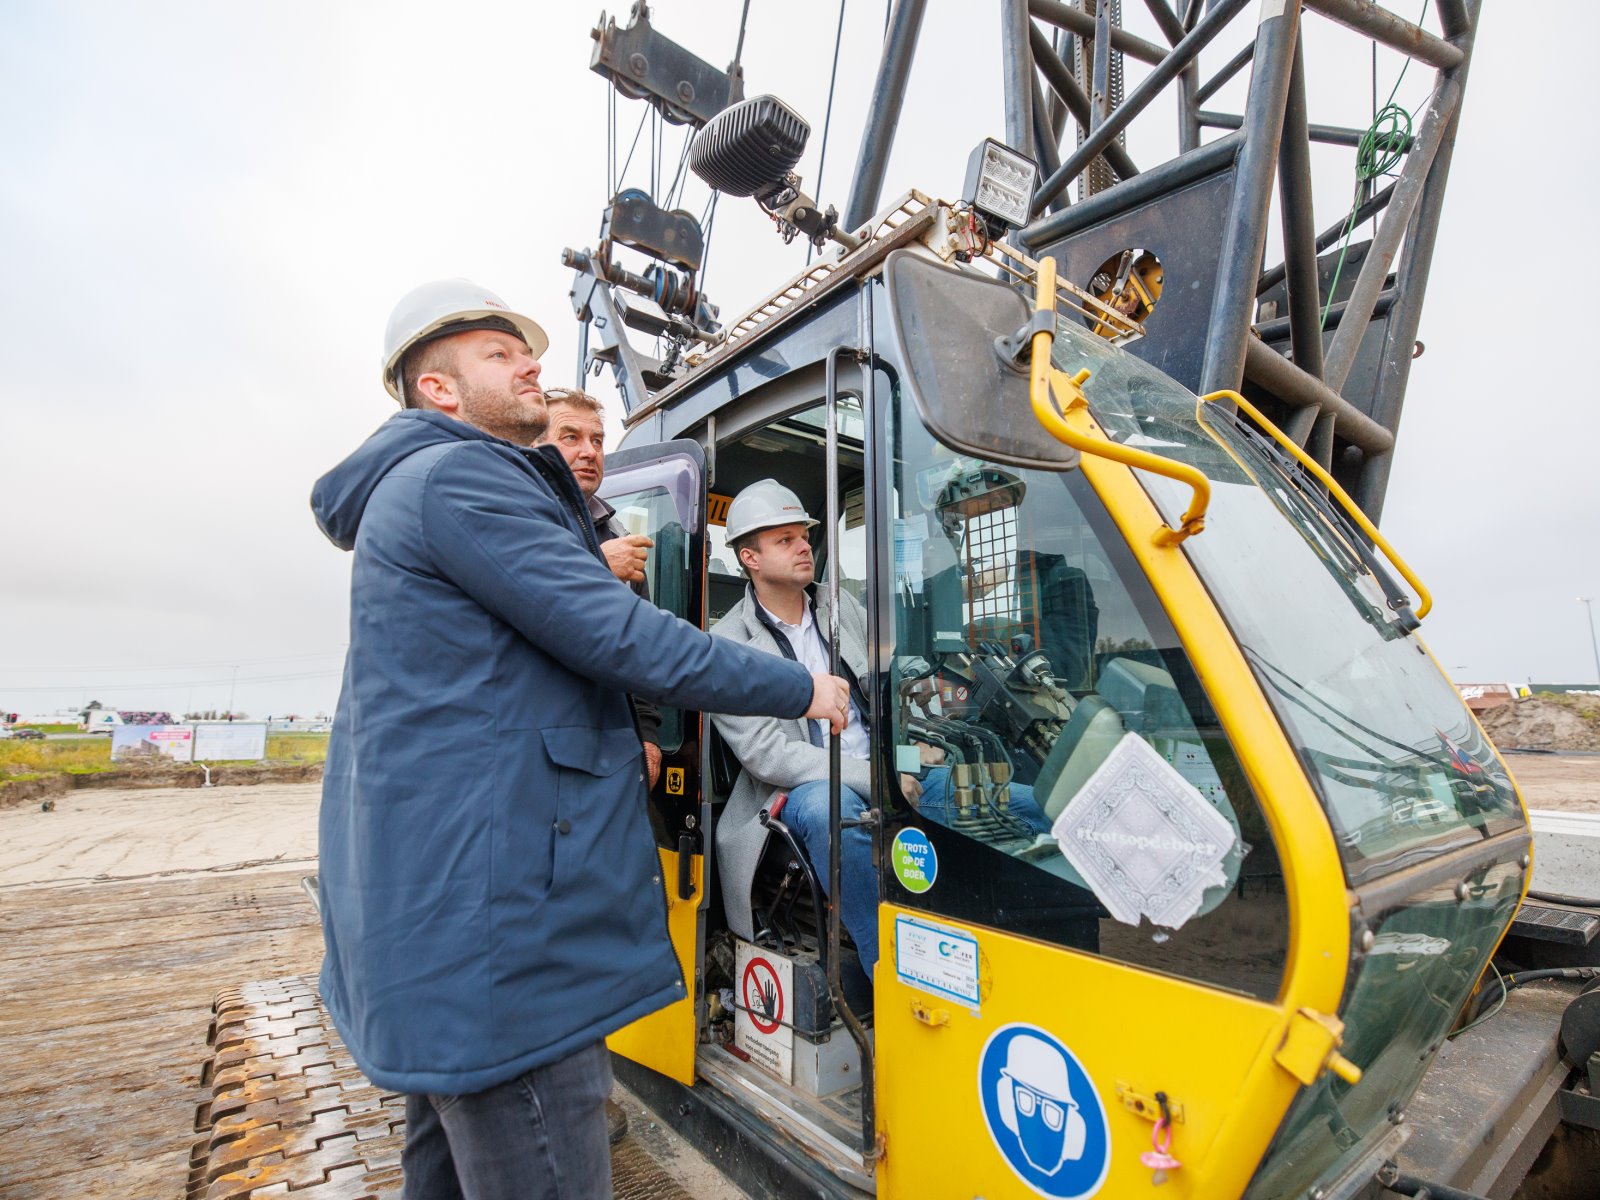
pixel 1000 184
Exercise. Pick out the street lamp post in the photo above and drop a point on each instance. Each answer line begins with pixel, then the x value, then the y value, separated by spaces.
pixel 1594 643
pixel 231 687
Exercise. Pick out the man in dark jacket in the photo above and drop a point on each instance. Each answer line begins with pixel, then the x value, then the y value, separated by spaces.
pixel 577 429
pixel 491 895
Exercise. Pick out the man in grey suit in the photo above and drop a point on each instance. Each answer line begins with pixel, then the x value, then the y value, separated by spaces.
pixel 766 529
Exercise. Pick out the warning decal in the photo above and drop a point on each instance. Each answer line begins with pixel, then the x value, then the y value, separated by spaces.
pixel 763 998
pixel 763 1025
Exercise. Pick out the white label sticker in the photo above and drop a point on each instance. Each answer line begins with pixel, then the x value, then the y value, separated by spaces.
pixel 910 534
pixel 1143 837
pixel 937 959
pixel 763 1023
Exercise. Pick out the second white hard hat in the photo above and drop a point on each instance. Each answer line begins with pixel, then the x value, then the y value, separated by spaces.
pixel 765 505
pixel 435 308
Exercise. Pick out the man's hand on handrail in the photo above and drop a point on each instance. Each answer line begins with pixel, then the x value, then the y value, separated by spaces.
pixel 830 701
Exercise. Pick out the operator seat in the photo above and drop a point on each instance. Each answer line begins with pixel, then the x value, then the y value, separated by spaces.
pixel 1091 733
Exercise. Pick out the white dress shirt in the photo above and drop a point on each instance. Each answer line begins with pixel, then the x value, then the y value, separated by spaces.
pixel 806 640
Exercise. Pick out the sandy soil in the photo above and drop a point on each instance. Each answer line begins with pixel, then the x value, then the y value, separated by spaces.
pixel 115 834
pixel 1565 782
pixel 146 833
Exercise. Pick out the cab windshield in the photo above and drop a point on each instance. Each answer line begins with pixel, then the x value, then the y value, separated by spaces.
pixel 1401 768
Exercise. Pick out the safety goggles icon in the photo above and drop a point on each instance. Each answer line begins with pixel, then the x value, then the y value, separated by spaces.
pixel 1029 1100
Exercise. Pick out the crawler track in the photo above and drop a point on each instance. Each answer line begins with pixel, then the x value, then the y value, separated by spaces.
pixel 290 1112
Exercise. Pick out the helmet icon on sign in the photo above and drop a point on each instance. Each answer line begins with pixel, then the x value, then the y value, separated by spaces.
pixel 1036 1104
pixel 1043 1112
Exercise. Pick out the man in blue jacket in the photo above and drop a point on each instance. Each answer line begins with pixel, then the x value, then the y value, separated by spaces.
pixel 491 896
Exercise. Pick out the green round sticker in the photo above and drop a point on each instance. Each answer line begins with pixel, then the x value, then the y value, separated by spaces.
pixel 916 864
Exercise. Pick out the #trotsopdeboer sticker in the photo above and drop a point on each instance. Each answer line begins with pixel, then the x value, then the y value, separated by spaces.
pixel 1043 1112
pixel 916 863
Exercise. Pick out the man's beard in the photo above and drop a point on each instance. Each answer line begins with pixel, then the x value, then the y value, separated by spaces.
pixel 501 412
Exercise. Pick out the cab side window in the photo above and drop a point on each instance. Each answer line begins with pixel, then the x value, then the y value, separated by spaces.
pixel 1070 771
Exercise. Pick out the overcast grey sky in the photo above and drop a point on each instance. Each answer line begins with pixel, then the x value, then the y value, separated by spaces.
pixel 207 211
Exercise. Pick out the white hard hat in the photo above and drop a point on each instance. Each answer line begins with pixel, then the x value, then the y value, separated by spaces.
pixel 765 505
pixel 434 308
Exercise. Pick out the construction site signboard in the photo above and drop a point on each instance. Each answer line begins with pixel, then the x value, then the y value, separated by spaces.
pixel 230 742
pixel 132 742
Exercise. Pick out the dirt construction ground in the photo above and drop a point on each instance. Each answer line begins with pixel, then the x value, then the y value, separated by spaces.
pixel 1564 782
pixel 124 912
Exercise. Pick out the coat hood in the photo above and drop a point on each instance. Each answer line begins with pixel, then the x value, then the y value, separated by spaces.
pixel 340 497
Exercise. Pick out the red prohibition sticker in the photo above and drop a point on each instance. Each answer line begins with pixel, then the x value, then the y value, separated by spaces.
pixel 763 997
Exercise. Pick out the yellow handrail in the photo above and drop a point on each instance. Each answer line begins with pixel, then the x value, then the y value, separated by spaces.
pixel 1048 384
pixel 1424 597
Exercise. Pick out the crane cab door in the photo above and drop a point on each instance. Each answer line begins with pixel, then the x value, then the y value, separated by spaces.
pixel 1085 918
pixel 659 491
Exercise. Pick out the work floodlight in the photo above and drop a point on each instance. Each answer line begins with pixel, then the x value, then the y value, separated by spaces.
pixel 750 148
pixel 1000 186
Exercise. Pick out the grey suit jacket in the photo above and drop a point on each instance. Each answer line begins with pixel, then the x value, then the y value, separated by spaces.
pixel 775 754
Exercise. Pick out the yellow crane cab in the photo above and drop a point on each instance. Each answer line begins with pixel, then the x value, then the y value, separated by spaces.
pixel 1221 854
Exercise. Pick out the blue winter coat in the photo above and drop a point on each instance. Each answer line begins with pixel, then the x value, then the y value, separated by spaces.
pixel 491 895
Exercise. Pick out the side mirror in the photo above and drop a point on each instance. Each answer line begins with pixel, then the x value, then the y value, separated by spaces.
pixel 952 328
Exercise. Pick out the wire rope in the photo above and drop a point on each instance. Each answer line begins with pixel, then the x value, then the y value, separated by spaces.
pixel 680 178
pixel 827 120
pixel 738 49
pixel 708 221
pixel 629 161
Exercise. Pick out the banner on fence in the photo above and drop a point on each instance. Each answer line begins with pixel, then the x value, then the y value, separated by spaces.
pixel 131 742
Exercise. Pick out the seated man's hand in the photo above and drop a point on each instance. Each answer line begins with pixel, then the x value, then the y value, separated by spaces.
pixel 627 555
pixel 931 756
pixel 652 762
pixel 910 789
pixel 830 701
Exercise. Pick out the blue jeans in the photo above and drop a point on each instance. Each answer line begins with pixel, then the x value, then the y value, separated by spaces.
pixel 807 815
pixel 541 1136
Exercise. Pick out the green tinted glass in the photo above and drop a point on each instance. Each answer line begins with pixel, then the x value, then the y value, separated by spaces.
pixel 1428 953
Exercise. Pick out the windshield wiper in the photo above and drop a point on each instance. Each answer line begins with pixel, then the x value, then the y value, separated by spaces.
pixel 1349 543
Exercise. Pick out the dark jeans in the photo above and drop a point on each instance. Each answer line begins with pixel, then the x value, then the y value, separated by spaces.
pixel 541 1136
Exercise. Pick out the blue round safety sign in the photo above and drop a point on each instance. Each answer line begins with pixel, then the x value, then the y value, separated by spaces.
pixel 1043 1112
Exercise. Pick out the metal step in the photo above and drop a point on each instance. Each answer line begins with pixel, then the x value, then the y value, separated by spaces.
pixel 289 1109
